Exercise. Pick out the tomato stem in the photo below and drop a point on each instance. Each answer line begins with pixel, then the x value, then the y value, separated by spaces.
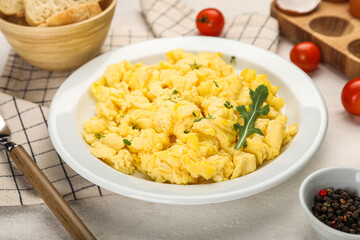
pixel 204 19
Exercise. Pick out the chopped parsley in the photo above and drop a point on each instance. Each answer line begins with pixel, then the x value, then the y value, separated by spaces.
pixel 195 66
pixel 98 136
pixel 198 118
pixel 134 126
pixel 175 92
pixel 126 142
pixel 186 131
pixel 169 99
pixel 233 60
pixel 209 116
pixel 216 84
pixel 228 105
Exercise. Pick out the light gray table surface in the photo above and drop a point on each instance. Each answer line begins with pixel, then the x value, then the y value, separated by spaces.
pixel 273 214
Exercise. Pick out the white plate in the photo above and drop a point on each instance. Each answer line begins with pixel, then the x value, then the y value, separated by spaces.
pixel 73 104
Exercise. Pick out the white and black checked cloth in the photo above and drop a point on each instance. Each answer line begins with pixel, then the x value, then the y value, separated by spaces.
pixel 26 93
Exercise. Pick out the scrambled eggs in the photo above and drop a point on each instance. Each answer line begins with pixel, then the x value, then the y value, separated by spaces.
pixel 174 120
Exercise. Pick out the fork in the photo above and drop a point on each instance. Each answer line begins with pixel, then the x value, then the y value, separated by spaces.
pixel 57 204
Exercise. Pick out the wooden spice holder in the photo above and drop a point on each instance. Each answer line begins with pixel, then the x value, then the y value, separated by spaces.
pixel 332 28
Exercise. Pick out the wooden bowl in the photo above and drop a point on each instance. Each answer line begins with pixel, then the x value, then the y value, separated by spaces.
pixel 60 48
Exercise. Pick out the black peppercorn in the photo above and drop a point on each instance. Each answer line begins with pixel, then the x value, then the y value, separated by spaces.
pixel 340 226
pixel 339 212
pixel 324 209
pixel 336 196
pixel 345 195
pixel 335 205
pixel 322 217
pixel 338 209
pixel 345 229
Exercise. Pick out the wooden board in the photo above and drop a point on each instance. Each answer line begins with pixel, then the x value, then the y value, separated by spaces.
pixel 332 28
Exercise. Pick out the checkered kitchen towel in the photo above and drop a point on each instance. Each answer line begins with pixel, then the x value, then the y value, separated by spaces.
pixel 26 93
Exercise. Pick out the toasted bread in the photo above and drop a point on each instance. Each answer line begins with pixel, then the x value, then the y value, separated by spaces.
pixel 73 15
pixel 37 12
pixel 12 7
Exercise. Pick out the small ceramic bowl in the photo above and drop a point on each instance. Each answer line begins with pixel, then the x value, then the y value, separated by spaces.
pixel 59 48
pixel 347 178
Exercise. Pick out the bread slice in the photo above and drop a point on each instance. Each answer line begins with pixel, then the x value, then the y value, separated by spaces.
pixel 38 11
pixel 75 14
pixel 12 7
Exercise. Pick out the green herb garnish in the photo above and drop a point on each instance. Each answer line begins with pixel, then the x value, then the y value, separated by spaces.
pixel 210 117
pixel 175 92
pixel 228 105
pixel 98 136
pixel 126 142
pixel 258 97
pixel 134 126
pixel 171 100
pixel 195 66
pixel 233 60
pixel 198 118
pixel 216 84
pixel 186 131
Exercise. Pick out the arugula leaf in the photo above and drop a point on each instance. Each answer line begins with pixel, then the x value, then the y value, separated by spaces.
pixel 258 97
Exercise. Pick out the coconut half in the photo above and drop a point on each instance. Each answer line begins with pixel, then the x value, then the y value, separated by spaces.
pixel 297 7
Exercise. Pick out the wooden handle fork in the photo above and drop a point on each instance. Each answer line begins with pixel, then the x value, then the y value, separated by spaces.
pixel 61 209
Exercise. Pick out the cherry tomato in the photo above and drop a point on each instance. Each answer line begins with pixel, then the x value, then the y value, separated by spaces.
pixel 350 96
pixel 210 22
pixel 306 55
